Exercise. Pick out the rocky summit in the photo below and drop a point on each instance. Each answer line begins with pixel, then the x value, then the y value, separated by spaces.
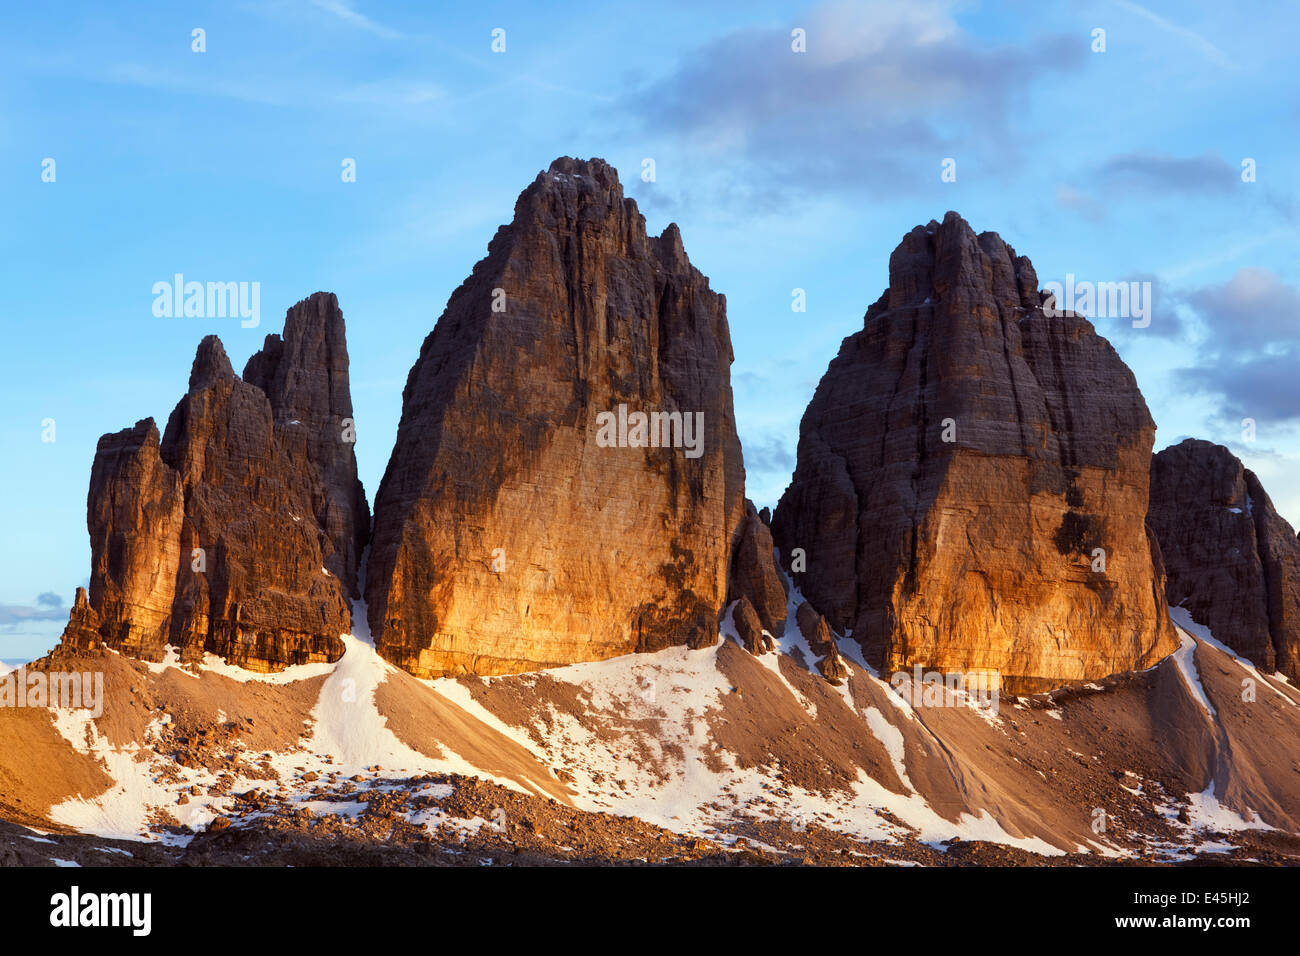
pixel 238 531
pixel 567 482
pixel 1232 561
pixel 971 484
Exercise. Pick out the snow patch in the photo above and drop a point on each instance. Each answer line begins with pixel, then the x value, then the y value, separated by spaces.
pixel 892 739
pixel 1183 619
pixel 217 665
pixel 456 692
pixel 121 812
pixel 1185 658
pixel 1205 812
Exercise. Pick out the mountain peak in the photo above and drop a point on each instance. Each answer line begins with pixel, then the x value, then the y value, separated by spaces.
pixel 958 388
pixel 949 261
pixel 258 479
pixel 594 169
pixel 210 363
pixel 574 317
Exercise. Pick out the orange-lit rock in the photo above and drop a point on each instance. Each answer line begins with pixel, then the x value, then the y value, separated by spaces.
pixel 965 465
pixel 507 537
pixel 229 534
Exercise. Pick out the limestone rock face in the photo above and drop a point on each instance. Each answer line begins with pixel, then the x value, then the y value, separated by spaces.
pixel 814 628
pixel 966 462
pixel 754 574
pixel 832 666
pixel 1230 558
pixel 508 534
pixel 83 623
pixel 304 374
pixel 229 534
pixel 135 511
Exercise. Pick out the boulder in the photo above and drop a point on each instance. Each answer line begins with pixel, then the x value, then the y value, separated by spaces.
pixel 754 573
pixel 750 628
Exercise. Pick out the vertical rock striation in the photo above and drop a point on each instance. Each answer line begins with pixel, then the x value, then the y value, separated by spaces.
pixel 507 535
pixel 964 468
pixel 305 376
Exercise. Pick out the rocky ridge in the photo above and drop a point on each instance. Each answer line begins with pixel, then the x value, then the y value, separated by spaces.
pixel 238 531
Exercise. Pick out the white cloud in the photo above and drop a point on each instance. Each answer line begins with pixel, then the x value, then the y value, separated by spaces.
pixel 345 12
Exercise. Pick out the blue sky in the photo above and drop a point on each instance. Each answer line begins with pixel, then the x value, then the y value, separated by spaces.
pixel 783 171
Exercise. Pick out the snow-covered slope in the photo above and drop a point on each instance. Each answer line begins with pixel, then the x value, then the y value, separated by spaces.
pixel 710 743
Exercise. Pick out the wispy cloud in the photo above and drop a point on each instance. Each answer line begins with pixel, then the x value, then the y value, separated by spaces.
pixel 345 12
pixel 1076 200
pixel 1208 172
pixel 1250 349
pixel 1167 325
pixel 295 94
pixel 771 453
pixel 1211 52
pixel 395 93
pixel 1224 254
pixel 48 607
pixel 136 74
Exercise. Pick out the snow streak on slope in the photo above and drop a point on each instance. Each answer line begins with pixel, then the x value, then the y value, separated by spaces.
pixel 1183 619
pixel 1185 658
pixel 639 735
pixel 122 812
pixel 1205 812
pixel 347 725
